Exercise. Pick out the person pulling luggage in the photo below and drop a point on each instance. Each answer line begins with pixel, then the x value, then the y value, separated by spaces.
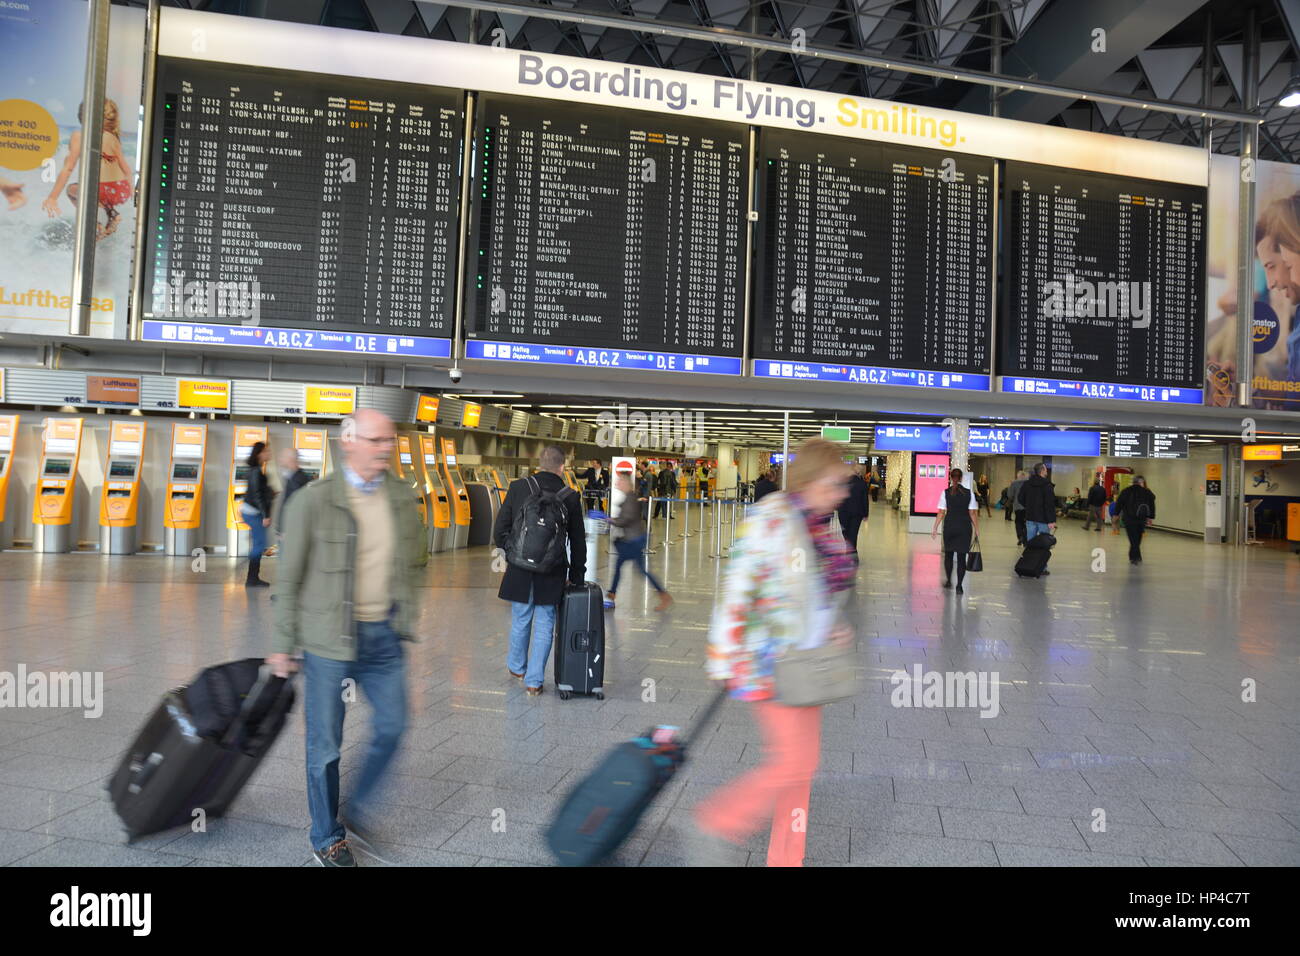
pixel 539 514
pixel 345 593
pixel 1039 497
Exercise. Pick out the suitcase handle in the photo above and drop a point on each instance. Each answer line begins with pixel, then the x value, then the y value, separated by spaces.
pixel 264 679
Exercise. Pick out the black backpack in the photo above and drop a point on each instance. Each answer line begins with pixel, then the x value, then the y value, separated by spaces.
pixel 540 535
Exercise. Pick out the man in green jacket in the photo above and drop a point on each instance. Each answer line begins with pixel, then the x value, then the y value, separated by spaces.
pixel 345 593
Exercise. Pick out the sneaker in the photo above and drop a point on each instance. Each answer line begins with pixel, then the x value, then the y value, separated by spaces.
pixel 364 838
pixel 665 601
pixel 533 691
pixel 609 601
pixel 337 855
pixel 513 674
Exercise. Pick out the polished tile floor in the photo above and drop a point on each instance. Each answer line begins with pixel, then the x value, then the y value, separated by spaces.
pixel 1121 690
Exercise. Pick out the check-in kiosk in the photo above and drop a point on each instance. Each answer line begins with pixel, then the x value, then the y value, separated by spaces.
pixel 8 436
pixel 245 437
pixel 119 499
pixel 484 504
pixel 56 486
pixel 500 485
pixel 435 492
pixel 310 444
pixel 459 497
pixel 183 510
pixel 405 468
pixel 571 479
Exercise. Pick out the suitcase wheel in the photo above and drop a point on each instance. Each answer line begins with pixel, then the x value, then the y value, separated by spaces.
pixel 565 695
pixel 599 696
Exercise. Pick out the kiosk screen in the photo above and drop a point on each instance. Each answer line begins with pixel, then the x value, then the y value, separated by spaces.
pixel 58 467
pixel 121 469
pixel 241 473
pixel 184 471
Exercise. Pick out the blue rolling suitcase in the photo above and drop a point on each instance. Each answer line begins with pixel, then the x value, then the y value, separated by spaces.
pixel 603 809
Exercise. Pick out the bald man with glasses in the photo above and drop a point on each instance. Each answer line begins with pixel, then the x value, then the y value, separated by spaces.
pixel 345 601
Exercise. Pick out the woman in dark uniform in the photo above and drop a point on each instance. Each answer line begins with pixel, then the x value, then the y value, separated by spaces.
pixel 960 517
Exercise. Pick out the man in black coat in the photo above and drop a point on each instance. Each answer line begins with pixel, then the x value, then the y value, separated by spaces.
pixel 293 478
pixel 853 510
pixel 1137 504
pixel 1038 495
pixel 665 487
pixel 764 486
pixel 1096 502
pixel 535 597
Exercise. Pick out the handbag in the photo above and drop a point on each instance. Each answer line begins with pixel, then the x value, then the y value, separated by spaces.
pixel 975 557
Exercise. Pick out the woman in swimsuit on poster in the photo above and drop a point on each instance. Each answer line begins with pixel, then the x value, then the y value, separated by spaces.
pixel 114 172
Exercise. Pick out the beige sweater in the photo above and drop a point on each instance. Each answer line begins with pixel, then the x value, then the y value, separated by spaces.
pixel 372 593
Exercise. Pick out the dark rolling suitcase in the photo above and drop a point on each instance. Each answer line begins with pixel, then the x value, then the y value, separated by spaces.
pixel 580 642
pixel 200 746
pixel 1038 551
pixel 606 806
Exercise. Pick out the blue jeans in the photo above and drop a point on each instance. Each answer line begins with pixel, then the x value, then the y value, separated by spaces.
pixel 379 670
pixel 256 534
pixel 530 646
pixel 1034 528
pixel 632 549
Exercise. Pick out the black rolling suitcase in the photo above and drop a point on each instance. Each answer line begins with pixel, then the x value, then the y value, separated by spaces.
pixel 1038 551
pixel 200 746
pixel 604 808
pixel 580 642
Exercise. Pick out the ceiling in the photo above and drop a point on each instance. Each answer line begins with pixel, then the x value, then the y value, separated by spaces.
pixel 1154 49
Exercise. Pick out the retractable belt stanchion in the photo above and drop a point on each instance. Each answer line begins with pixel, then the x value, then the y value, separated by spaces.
pixel 668 524
pixel 650 527
pixel 704 503
pixel 686 522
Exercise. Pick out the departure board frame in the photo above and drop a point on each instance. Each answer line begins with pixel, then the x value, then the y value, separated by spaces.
pixel 890 160
pixel 482 299
pixel 1058 301
pixel 406 255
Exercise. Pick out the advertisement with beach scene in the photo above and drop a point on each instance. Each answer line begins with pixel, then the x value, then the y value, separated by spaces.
pixel 42 72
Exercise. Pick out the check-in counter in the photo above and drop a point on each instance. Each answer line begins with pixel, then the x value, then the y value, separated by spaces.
pixel 56 486
pixel 119 498
pixel 183 509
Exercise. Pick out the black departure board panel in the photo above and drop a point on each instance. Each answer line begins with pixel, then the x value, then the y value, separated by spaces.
pixel 1148 444
pixel 1105 279
pixel 873 253
pixel 605 228
pixel 337 196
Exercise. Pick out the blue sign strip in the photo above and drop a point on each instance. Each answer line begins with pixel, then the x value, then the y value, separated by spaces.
pixel 298 340
pixel 992 441
pixel 870 375
pixel 1129 393
pixel 602 358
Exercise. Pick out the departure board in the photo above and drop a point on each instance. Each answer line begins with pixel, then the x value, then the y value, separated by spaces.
pixel 333 200
pixel 1105 282
pixel 604 228
pixel 873 253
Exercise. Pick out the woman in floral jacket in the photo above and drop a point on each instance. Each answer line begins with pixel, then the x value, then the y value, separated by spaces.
pixel 783 590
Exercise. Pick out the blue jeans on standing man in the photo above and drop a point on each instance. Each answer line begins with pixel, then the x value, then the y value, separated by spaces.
pixel 380 672
pixel 532 630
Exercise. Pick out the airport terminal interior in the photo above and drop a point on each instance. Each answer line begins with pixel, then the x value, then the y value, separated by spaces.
pixel 849 291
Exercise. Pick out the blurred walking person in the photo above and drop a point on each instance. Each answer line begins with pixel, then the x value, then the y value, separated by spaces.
pixel 293 478
pixel 984 490
pixel 784 585
pixel 959 516
pixel 256 511
pixel 346 599
pixel 1137 504
pixel 539 514
pixel 630 544
pixel 853 510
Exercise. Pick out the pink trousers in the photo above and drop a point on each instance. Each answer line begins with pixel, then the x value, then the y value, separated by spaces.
pixel 777 789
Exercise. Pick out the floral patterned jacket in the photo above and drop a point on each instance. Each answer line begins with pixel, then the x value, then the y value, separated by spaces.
pixel 771 588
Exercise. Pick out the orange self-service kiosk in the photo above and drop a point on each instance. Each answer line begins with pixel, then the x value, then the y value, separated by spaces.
pixel 245 437
pixel 435 492
pixel 119 499
pixel 500 485
pixel 183 510
pixel 56 486
pixel 8 437
pixel 405 468
pixel 310 444
pixel 457 494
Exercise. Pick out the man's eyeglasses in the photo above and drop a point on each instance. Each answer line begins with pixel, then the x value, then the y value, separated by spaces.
pixel 381 440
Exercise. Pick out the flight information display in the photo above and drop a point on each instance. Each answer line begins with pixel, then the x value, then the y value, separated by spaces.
pixel 302 201
pixel 1105 285
pixel 604 235
pixel 1143 444
pixel 874 254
